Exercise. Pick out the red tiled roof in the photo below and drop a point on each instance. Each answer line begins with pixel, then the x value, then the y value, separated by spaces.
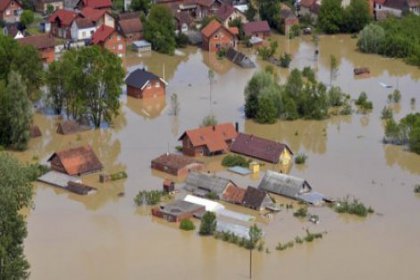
pixel 79 160
pixel 92 14
pixel 234 194
pixel 97 4
pixel 101 34
pixel 66 17
pixel 130 25
pixel 213 26
pixel 255 27
pixel 259 148
pixel 40 42
pixel 5 3
pixel 83 23
pixel 175 161
pixel 224 12
pixel 214 137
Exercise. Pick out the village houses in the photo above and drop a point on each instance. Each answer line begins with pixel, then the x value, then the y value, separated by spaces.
pixel 108 38
pixel 42 6
pixel 44 43
pixel 259 29
pixel 217 37
pixel 228 13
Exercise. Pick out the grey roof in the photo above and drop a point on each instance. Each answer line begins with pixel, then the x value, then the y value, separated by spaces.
pixel 139 77
pixel 57 179
pixel 210 183
pixel 314 198
pixel 239 58
pixel 283 184
pixel 180 206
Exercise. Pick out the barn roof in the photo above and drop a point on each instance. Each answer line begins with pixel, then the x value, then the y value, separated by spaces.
pixel 78 160
pixel 209 183
pixel 175 161
pixel 283 184
pixel 257 147
pixel 70 127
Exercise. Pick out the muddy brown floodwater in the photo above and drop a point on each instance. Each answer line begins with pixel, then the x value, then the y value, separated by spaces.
pixel 104 236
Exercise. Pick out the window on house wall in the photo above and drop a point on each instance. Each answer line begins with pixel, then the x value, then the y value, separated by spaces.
pixel 157 84
pixel 118 37
pixel 216 36
pixel 120 47
pixel 83 34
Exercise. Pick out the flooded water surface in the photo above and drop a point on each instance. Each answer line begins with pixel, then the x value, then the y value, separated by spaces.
pixel 105 236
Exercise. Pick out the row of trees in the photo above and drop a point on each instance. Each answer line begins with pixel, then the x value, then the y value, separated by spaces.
pixel 394 38
pixel 333 18
pixel 406 132
pixel 301 97
pixel 15 195
pixel 20 79
pixel 86 83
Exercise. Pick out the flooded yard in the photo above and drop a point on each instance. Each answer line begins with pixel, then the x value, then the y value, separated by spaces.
pixel 105 236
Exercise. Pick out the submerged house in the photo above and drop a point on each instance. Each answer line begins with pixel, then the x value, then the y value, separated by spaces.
pixel 143 84
pixel 75 161
pixel 70 127
pixel 177 165
pixel 256 199
pixel 177 211
pixel 208 140
pixel 239 58
pixel 201 184
pixel 262 149
pixel 217 37
pixel 291 187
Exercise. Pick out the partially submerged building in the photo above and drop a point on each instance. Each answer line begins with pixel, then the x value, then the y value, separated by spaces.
pixel 256 199
pixel 75 161
pixel 177 165
pixel 262 149
pixel 144 84
pixel 177 211
pixel 67 182
pixel 202 184
pixel 217 37
pixel 208 140
pixel 70 127
pixel 239 58
pixel 290 187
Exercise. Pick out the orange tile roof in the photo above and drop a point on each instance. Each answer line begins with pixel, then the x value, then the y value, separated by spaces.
pixel 234 194
pixel 211 28
pixel 79 160
pixel 214 137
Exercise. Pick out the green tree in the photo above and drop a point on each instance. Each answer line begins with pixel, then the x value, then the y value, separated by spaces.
pixel 209 120
pixel 15 194
pixel 208 224
pixel 159 29
pixel 331 16
pixel 356 16
pixel 15 113
pixel 56 84
pixel 270 11
pixel 414 140
pixel 50 9
pixel 141 5
pixel 333 68
pixel 27 17
pixel 267 111
pixel 255 235
pixel 371 38
pixel 253 90
pixel 251 12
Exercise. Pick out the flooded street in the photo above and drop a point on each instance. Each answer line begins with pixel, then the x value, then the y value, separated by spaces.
pixel 105 236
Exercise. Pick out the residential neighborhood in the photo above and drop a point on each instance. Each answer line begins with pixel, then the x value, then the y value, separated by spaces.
pixel 257 139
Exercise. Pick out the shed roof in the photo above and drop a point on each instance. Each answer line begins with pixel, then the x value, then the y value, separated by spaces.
pixel 140 77
pixel 40 42
pixel 210 183
pixel 214 137
pixel 78 160
pixel 257 147
pixel 175 161
pixel 283 184
pixel 256 26
pixel 254 198
pixel 179 207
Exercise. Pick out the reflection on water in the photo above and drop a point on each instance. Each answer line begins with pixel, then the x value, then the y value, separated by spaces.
pixel 72 237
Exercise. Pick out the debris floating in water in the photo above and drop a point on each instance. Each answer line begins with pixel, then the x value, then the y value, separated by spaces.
pixel 385 85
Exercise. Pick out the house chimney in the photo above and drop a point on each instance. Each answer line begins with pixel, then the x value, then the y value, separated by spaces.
pixel 237 126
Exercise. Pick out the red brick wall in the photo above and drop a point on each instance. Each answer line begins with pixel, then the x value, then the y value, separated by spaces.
pixel 116 44
pixel 150 90
pixel 221 39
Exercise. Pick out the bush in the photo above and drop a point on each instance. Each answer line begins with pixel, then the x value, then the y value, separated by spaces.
pixel 35 170
pixel 149 197
pixel 181 40
pixel 386 113
pixel 235 160
pixel 417 188
pixel 396 96
pixel 118 176
pixel 208 224
pixel 212 196
pixel 285 60
pixel 309 74
pixel 363 102
pixel 353 207
pixel 209 120
pixel 301 212
pixel 300 158
pixel 187 224
pixel 294 31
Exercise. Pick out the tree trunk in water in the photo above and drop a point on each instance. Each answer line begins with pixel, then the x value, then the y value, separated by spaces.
pixel 250 264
